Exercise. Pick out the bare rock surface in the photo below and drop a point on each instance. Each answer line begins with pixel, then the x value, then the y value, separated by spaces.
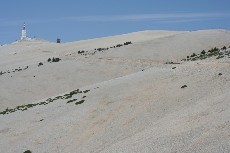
pixel 124 99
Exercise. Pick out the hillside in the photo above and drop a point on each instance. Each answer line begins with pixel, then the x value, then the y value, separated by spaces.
pixel 117 96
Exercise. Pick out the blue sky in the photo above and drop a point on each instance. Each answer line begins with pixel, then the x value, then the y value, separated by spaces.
pixel 73 20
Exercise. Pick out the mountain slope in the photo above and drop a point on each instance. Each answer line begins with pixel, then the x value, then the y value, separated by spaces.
pixel 147 111
pixel 124 99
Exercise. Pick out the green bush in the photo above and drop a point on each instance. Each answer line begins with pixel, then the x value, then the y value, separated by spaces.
pixel 40 64
pixel 203 52
pixel 224 48
pixel 80 102
pixel 184 86
pixel 193 55
pixel 70 101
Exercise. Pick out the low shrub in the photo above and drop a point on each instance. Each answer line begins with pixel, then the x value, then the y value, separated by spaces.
pixel 70 101
pixel 80 102
pixel 184 86
pixel 40 64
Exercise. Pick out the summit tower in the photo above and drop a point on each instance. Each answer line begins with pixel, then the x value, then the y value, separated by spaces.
pixel 23 37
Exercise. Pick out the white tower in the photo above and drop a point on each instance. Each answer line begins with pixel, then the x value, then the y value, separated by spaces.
pixel 23 37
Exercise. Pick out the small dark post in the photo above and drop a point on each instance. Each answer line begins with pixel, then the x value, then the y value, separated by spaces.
pixel 58 40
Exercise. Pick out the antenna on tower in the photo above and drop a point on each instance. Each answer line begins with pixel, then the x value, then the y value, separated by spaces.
pixel 24 26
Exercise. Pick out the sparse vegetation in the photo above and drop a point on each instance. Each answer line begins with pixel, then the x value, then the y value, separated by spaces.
pixel 13 70
pixel 70 101
pixel 203 52
pixel 224 48
pixel 86 91
pixel 171 62
pixel 184 86
pixel 80 102
pixel 128 43
pixel 81 52
pixel 56 59
pixel 193 55
pixel 26 67
pixel 214 52
pixel 40 64
pixel 47 101
pixel 92 52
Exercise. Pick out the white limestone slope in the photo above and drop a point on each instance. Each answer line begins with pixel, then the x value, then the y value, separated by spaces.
pixel 135 102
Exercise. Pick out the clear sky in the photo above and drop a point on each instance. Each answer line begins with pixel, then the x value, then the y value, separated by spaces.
pixel 73 20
